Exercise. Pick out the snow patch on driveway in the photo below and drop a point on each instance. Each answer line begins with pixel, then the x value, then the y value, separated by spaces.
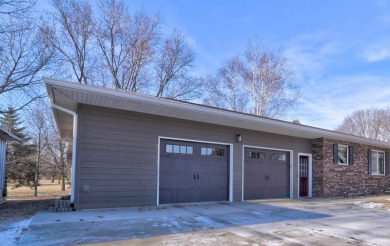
pixel 369 204
pixel 11 234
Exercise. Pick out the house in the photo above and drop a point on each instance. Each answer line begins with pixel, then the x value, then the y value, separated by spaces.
pixel 131 149
pixel 4 137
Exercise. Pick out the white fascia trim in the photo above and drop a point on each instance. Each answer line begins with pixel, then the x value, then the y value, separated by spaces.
pixel 259 147
pixel 196 141
pixel 73 169
pixel 213 111
pixel 310 173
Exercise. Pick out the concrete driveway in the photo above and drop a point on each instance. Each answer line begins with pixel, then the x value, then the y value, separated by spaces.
pixel 277 222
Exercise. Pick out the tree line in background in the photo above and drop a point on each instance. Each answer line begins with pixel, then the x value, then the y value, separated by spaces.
pixel 40 153
pixel 371 123
pixel 108 45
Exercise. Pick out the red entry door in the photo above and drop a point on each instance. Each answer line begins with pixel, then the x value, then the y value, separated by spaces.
pixel 303 176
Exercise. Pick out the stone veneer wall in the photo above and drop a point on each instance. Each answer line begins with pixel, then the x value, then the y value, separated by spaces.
pixel 332 180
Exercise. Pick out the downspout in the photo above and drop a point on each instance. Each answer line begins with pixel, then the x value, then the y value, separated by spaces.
pixel 73 169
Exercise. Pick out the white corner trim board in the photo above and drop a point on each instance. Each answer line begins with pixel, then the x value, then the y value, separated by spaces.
pixel 73 169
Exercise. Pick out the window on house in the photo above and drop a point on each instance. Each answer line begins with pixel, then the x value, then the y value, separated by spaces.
pixel 377 166
pixel 342 155
pixel 255 155
pixel 282 157
pixel 279 157
pixel 179 149
pixel 212 151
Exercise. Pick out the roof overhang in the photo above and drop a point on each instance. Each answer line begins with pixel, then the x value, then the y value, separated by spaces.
pixel 8 136
pixel 68 95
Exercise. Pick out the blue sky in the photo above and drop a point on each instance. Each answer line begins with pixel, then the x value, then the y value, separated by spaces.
pixel 340 50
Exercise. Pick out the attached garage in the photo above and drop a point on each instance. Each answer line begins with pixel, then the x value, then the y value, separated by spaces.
pixel 193 172
pixel 266 173
pixel 131 149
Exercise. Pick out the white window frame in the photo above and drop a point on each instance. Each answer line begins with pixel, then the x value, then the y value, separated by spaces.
pixel 346 146
pixel 377 163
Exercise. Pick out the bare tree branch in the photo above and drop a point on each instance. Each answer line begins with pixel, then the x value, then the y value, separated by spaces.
pixel 172 68
pixel 24 55
pixel 369 123
pixel 16 10
pixel 127 44
pixel 268 81
pixel 71 32
pixel 259 82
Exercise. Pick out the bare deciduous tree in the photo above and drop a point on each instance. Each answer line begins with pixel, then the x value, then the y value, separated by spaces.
pixel 259 82
pixel 172 68
pixel 127 43
pixel 226 89
pixel 38 129
pixel 369 123
pixel 70 29
pixel 15 10
pixel 268 81
pixel 24 54
pixel 56 153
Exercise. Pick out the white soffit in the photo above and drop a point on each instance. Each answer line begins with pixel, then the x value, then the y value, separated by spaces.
pixel 69 95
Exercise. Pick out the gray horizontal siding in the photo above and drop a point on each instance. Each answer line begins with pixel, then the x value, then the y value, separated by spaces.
pixel 2 162
pixel 122 182
pixel 119 149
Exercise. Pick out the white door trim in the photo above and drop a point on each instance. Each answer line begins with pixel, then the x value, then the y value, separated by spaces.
pixel 196 141
pixel 259 147
pixel 310 173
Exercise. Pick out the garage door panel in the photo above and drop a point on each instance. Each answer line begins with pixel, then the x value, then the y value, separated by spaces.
pixel 179 196
pixel 266 174
pixel 217 181
pixel 178 165
pixel 211 166
pixel 253 193
pixel 212 194
pixel 202 172
pixel 176 181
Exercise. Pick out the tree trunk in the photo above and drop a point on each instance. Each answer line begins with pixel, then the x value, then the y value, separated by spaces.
pixel 53 177
pixel 4 191
pixel 36 180
pixel 63 182
pixel 37 168
pixel 36 186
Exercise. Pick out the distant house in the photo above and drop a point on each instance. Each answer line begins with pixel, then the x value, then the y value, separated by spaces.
pixel 131 149
pixel 4 137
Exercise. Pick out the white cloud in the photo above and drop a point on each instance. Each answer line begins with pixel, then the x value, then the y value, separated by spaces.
pixel 377 51
pixel 328 93
pixel 309 54
pixel 328 101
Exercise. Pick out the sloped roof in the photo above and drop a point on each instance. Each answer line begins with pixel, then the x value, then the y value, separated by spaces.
pixel 6 135
pixel 68 95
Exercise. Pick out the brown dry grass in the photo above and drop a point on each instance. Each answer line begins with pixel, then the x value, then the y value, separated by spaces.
pixel 21 203
pixel 46 187
pixel 386 203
